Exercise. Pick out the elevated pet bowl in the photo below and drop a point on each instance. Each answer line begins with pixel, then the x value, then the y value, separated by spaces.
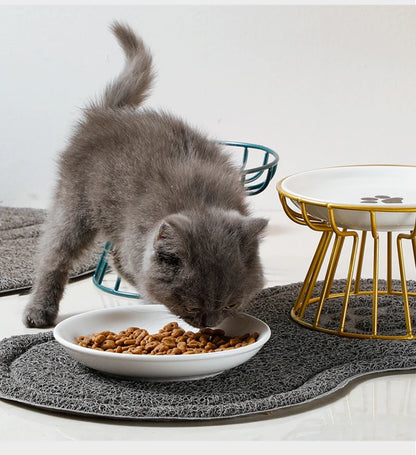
pixel 258 166
pixel 353 194
pixel 339 202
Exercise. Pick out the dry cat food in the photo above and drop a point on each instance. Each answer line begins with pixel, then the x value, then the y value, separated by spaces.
pixel 171 339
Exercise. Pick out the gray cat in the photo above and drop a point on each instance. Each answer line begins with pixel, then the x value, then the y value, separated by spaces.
pixel 167 197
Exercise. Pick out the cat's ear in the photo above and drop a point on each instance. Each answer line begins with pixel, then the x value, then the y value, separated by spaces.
pixel 171 226
pixel 164 232
pixel 168 243
pixel 254 227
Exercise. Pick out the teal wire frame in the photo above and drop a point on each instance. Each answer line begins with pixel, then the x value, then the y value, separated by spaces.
pixel 249 175
pixel 100 271
pixel 254 179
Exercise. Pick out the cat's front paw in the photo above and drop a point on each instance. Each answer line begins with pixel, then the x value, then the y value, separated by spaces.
pixel 35 316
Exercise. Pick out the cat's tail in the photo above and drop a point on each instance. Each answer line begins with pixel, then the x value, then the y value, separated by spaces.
pixel 133 84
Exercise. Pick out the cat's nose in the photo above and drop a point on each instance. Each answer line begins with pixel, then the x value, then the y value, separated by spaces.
pixel 209 319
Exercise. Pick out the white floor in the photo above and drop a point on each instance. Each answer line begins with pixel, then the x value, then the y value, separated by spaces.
pixel 375 409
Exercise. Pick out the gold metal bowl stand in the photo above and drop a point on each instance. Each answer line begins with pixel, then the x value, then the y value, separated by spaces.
pixel 298 210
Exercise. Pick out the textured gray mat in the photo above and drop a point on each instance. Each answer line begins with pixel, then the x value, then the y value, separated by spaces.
pixel 19 234
pixel 296 366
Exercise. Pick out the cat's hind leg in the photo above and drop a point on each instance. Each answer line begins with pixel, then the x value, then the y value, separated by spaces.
pixel 66 234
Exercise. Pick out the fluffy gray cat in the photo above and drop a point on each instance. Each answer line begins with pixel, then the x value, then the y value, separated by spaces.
pixel 166 196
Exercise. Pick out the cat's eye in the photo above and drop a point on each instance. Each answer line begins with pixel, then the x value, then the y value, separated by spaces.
pixel 231 306
pixel 191 309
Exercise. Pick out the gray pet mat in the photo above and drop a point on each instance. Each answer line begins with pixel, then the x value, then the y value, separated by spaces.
pixel 296 366
pixel 19 234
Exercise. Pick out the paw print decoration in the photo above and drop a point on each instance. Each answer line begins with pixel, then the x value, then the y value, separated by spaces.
pixel 381 198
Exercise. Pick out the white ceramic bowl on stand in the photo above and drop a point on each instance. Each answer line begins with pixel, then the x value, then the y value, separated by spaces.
pixel 351 190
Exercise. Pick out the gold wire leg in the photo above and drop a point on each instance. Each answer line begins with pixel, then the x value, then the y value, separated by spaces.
pixel 389 261
pixel 375 285
pixel 315 272
pixel 336 261
pixel 360 262
pixel 414 248
pixel 314 268
pixel 333 262
pixel 349 281
pixel 404 286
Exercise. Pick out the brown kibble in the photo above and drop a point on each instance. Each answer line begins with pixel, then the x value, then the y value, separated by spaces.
pixel 98 338
pixel 177 332
pixel 234 341
pixel 203 340
pixel 169 327
pixel 139 334
pixel 182 346
pixel 83 339
pixel 160 348
pixel 151 345
pixel 218 340
pixel 193 344
pixel 170 340
pixel 129 342
pixel 140 337
pixel 108 344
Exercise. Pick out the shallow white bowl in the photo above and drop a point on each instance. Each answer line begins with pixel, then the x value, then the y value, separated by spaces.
pixel 387 189
pixel 156 368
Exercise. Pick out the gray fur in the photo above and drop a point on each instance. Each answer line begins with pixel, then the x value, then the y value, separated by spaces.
pixel 166 196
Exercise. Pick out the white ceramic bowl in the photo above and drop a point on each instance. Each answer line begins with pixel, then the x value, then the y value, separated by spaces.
pixel 156 368
pixel 388 189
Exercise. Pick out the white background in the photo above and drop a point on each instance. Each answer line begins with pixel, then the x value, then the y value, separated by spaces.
pixel 321 85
